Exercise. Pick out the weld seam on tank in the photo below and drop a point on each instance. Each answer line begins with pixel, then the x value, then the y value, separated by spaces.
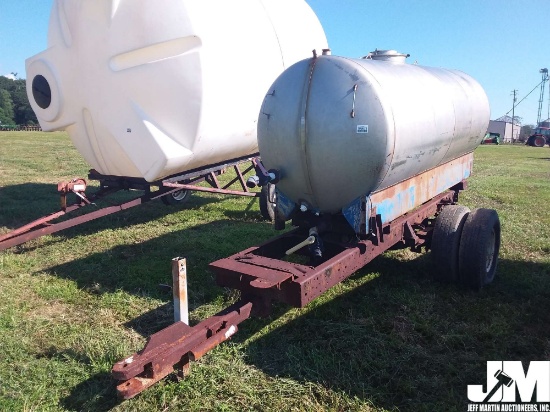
pixel 455 121
pixel 303 126
pixel 388 111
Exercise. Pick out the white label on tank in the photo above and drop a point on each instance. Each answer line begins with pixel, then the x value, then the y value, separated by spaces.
pixel 362 128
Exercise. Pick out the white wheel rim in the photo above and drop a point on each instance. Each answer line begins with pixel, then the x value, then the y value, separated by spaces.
pixel 179 195
pixel 490 251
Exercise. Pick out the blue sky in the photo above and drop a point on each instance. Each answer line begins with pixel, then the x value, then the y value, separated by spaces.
pixel 501 43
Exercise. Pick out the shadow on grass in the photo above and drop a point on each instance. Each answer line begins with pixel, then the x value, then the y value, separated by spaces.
pixel 397 341
pixel 402 341
pixel 140 268
pixel 151 322
pixel 96 394
pixel 22 204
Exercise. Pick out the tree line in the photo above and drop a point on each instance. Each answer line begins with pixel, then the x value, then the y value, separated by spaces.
pixel 15 108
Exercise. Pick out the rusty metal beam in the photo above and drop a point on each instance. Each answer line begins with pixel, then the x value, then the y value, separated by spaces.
pixel 43 221
pixel 174 347
pixel 44 226
pixel 262 276
pixel 261 272
pixel 56 227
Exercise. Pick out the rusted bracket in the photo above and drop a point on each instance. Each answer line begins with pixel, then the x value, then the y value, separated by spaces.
pixel 409 235
pixel 174 347
pixel 376 227
pixel 463 185
pixel 76 186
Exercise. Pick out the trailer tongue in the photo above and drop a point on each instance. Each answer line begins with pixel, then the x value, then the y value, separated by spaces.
pixel 171 190
pixel 174 347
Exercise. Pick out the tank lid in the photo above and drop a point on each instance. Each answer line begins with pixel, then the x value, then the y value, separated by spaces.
pixel 392 56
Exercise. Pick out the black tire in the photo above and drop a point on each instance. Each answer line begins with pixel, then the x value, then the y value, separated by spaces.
pixel 446 242
pixel 268 202
pixel 479 247
pixel 177 198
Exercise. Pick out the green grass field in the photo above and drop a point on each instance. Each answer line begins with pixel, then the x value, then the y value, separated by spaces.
pixel 388 339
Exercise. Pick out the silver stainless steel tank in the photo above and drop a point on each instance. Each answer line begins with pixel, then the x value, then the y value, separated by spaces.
pixel 338 128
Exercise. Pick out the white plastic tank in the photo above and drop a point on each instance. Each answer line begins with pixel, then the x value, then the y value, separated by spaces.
pixel 338 128
pixel 153 88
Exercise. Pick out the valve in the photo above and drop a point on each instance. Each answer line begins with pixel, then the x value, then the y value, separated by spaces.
pixel 263 176
pixel 314 243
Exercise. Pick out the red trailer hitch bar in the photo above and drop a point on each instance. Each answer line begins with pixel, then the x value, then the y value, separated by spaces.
pixel 174 347
pixel 109 185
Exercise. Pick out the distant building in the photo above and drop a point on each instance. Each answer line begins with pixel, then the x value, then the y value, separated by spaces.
pixel 509 132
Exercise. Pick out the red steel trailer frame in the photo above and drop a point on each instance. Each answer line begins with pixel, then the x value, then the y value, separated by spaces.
pixel 262 276
pixel 406 215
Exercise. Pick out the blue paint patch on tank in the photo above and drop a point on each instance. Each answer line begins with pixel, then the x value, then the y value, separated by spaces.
pixel 406 196
pixel 285 206
pixel 354 215
pixel 392 207
pixel 403 197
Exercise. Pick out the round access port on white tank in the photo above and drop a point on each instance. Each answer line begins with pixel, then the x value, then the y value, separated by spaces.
pixel 43 91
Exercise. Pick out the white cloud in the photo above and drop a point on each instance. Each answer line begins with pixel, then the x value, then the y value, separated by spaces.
pixel 10 76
